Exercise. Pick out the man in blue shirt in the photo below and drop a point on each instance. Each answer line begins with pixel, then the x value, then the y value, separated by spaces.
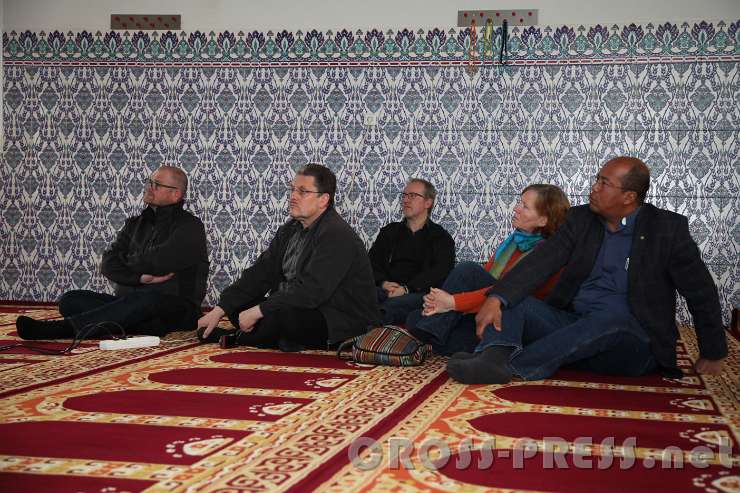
pixel 614 308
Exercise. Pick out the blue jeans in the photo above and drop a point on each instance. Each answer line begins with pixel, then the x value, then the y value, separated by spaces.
pixel 452 331
pixel 395 310
pixel 138 312
pixel 545 338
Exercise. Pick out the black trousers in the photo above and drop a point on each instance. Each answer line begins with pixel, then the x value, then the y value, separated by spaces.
pixel 292 325
pixel 138 312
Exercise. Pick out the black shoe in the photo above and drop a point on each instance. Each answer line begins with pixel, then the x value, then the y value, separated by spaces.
pixel 35 330
pixel 287 346
pixel 215 335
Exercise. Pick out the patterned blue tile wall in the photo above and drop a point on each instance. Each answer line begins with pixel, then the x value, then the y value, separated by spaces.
pixel 87 117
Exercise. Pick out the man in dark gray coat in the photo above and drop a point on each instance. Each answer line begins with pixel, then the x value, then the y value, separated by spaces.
pixel 158 264
pixel 311 288
pixel 614 308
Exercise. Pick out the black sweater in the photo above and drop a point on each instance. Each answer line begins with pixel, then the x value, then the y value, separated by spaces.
pixel 418 260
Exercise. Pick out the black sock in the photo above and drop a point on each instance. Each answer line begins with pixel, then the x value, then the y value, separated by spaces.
pixel 34 330
pixel 490 366
pixel 497 354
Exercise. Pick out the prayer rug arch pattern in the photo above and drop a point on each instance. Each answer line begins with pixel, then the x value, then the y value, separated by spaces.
pixel 198 418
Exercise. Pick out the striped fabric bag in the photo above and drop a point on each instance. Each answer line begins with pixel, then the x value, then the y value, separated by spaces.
pixel 386 345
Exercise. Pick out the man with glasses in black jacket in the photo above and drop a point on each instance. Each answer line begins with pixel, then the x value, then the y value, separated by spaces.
pixel 158 265
pixel 313 286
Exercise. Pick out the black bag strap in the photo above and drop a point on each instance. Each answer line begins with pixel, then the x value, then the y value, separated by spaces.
pixel 396 328
pixel 345 346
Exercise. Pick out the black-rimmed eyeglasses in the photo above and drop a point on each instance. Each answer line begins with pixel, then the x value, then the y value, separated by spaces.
pixel 410 195
pixel 604 182
pixel 302 192
pixel 148 182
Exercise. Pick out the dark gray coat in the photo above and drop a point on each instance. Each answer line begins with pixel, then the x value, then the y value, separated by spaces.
pixel 334 276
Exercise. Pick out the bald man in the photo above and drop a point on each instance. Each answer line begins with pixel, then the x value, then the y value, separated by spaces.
pixel 158 265
pixel 613 309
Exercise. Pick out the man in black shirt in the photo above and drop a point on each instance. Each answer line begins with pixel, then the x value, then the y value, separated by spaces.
pixel 158 264
pixel 411 256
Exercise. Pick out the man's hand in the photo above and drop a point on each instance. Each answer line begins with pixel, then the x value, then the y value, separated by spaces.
pixel 152 279
pixel 390 287
pixel 249 317
pixel 210 320
pixel 490 313
pixel 709 366
pixel 438 301
pixel 399 291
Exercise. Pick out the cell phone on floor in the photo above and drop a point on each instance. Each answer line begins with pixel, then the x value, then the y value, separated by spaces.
pixel 227 341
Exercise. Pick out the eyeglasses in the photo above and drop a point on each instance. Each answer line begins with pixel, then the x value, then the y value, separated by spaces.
pixel 410 195
pixel 604 182
pixel 148 182
pixel 302 192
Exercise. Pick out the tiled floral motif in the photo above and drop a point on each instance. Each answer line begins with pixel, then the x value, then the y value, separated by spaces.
pixel 535 43
pixel 88 116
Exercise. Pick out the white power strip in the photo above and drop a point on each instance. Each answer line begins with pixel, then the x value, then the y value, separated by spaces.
pixel 130 343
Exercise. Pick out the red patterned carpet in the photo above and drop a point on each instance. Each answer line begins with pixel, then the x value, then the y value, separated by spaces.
pixel 190 417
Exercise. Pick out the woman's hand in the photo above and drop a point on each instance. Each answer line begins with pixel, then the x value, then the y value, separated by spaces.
pixel 438 301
